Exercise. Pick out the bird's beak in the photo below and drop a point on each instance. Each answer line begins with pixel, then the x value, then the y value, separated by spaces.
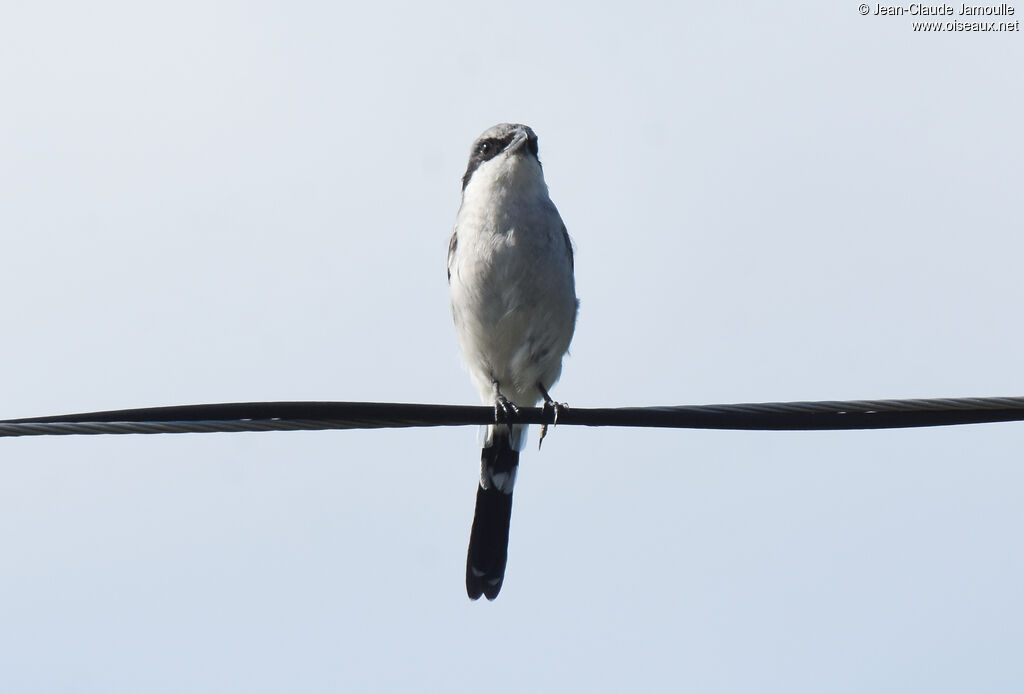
pixel 518 141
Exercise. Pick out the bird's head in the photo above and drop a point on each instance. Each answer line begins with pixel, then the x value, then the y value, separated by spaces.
pixel 506 151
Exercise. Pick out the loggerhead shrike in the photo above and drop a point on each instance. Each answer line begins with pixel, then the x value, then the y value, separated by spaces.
pixel 510 272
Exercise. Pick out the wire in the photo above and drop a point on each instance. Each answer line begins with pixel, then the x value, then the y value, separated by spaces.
pixel 299 416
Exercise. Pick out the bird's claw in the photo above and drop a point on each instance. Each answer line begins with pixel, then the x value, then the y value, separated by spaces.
pixel 505 411
pixel 556 409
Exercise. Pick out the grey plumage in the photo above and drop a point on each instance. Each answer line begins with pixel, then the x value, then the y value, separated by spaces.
pixel 513 298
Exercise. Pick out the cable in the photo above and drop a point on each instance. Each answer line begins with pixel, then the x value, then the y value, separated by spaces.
pixel 298 416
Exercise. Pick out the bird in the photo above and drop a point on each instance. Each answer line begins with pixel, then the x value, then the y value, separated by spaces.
pixel 513 301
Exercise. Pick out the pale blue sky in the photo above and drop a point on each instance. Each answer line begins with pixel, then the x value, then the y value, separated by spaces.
pixel 212 202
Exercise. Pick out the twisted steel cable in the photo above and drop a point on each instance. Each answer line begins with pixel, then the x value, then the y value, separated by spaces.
pixel 297 416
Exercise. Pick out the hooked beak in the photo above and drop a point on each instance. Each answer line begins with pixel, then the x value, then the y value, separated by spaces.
pixel 521 136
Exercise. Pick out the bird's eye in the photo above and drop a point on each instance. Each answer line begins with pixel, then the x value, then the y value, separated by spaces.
pixel 484 149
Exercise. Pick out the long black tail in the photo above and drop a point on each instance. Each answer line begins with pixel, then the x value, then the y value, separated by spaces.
pixel 488 541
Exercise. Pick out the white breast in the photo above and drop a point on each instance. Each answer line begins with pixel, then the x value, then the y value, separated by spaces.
pixel 512 290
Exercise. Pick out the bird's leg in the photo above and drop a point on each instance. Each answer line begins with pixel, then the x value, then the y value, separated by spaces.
pixel 555 408
pixel 505 411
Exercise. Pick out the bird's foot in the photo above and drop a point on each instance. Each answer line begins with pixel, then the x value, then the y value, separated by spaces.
pixel 555 408
pixel 505 411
